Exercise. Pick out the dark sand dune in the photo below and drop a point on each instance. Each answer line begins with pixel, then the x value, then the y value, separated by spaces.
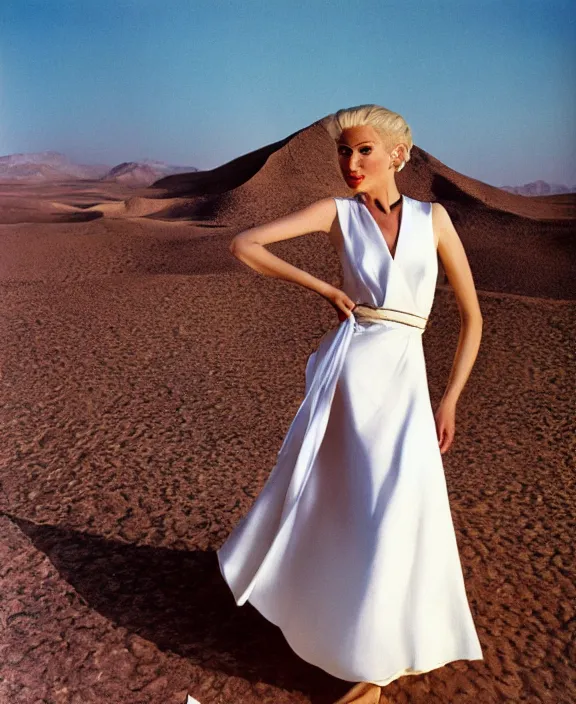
pixel 305 165
pixel 515 244
pixel 148 379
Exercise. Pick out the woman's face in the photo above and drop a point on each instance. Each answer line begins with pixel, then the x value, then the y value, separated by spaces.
pixel 362 153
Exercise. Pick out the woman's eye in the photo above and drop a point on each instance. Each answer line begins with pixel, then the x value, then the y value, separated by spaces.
pixel 346 152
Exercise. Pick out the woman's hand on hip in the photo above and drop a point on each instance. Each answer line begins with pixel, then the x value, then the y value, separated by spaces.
pixel 339 300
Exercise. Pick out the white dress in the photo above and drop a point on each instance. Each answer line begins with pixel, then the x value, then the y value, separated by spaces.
pixel 350 547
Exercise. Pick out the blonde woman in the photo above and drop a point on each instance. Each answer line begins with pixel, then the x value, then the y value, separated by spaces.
pixel 350 547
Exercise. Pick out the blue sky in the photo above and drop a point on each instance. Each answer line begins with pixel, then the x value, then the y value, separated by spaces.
pixel 487 86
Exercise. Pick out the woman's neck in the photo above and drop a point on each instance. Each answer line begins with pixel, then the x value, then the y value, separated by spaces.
pixel 383 199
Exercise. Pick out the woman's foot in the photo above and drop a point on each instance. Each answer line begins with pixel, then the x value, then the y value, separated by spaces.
pixel 361 693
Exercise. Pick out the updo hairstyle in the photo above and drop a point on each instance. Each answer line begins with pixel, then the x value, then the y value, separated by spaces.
pixel 390 126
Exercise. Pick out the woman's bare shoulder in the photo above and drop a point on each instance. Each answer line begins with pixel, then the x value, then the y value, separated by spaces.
pixel 335 234
pixel 319 216
pixel 441 221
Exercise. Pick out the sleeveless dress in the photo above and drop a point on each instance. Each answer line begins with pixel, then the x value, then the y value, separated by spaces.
pixel 350 547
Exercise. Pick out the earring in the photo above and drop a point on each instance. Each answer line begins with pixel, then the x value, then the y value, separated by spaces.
pixel 402 163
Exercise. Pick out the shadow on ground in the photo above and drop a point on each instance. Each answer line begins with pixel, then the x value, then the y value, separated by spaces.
pixel 179 601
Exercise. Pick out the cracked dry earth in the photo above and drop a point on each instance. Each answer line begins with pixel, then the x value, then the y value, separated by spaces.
pixel 147 384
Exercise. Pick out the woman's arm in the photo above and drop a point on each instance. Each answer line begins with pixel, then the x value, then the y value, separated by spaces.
pixel 455 263
pixel 249 246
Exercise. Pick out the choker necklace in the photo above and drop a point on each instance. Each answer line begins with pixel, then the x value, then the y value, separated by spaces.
pixel 379 206
pixel 392 205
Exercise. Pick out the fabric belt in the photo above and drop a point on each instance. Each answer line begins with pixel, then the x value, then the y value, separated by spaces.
pixel 365 311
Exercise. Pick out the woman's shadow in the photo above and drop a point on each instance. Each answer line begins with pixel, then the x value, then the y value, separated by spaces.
pixel 179 601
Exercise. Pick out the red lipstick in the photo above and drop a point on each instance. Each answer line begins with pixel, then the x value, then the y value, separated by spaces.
pixel 354 180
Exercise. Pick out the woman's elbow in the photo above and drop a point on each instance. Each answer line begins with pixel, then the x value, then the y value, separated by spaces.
pixel 237 243
pixel 242 250
pixel 235 248
pixel 473 320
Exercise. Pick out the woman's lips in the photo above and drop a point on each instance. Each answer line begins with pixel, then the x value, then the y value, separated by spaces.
pixel 354 180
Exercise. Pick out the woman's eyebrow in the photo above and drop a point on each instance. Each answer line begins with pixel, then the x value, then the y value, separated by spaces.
pixel 354 145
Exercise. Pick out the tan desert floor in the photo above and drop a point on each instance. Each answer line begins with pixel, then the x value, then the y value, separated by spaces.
pixel 148 379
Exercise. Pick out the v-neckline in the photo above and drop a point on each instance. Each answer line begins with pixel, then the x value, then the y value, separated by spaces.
pixel 399 237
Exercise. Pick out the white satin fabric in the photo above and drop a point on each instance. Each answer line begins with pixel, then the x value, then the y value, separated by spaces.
pixel 350 547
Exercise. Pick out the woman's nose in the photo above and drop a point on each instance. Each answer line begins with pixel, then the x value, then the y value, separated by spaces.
pixel 354 163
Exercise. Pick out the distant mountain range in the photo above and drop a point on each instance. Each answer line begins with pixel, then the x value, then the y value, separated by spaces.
pixel 539 188
pixel 41 167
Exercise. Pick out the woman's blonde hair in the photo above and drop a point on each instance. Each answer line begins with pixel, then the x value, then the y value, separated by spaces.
pixel 391 126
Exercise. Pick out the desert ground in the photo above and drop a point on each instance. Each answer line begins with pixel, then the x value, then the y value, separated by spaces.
pixel 148 379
